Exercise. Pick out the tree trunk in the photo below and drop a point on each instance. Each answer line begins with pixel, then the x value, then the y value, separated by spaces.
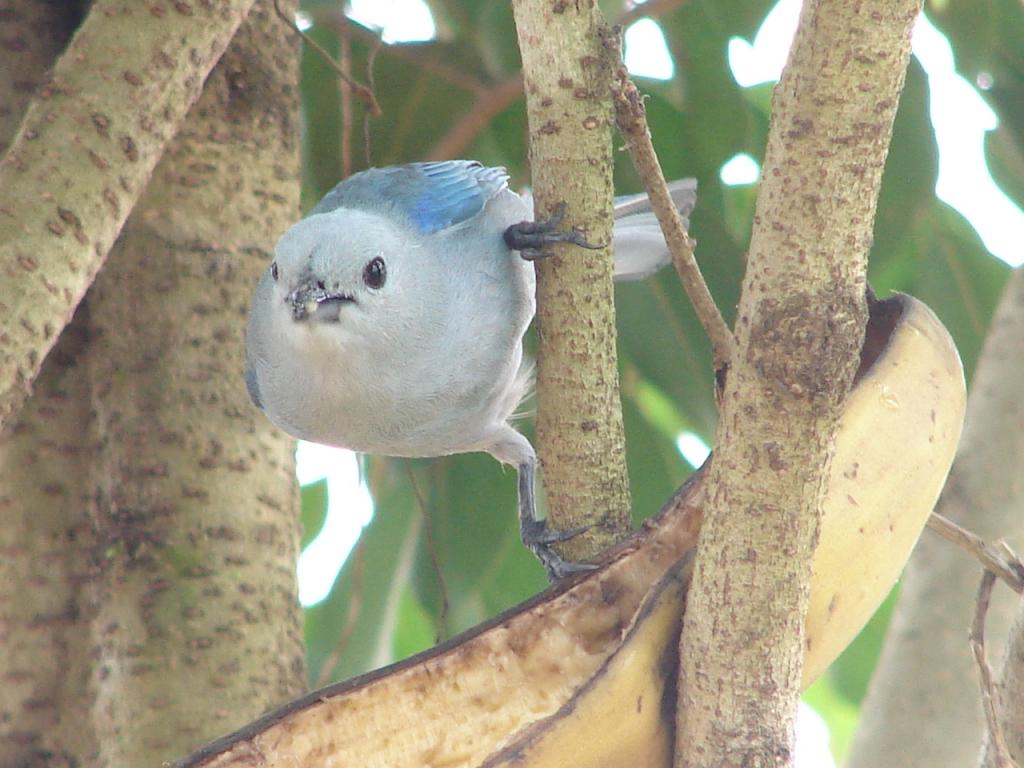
pixel 188 610
pixel 923 708
pixel 1011 693
pixel 44 700
pixel 799 330
pixel 198 627
pixel 580 435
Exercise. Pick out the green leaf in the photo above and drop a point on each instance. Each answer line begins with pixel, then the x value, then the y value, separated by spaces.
pixel 474 560
pixel 314 510
pixel 655 467
pixel 908 181
pixel 354 627
pixel 415 629
pixel 986 38
pixel 839 714
pixel 941 261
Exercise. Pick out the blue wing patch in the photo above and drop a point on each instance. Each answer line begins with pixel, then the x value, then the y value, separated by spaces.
pixel 432 196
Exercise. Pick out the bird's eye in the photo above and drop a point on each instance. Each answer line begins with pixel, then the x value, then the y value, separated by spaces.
pixel 273 270
pixel 375 273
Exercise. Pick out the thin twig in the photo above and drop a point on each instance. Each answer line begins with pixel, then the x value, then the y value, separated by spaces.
pixel 365 94
pixel 631 117
pixel 371 61
pixel 1003 564
pixel 345 51
pixel 425 56
pixel 989 693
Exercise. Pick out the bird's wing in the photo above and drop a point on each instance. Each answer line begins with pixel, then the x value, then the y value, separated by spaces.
pixel 431 196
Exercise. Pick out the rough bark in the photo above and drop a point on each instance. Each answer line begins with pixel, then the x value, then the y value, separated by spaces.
pixel 198 627
pixel 580 435
pixel 85 150
pixel 32 33
pixel 799 329
pixel 45 541
pixel 923 707
pixel 44 698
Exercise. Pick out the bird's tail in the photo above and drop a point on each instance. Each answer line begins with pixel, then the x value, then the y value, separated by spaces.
pixel 637 241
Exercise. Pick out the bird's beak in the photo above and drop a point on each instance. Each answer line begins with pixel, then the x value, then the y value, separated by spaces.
pixel 312 302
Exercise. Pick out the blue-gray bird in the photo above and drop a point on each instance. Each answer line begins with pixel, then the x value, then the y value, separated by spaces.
pixel 391 319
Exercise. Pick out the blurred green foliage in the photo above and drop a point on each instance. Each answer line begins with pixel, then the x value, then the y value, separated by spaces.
pixel 442 552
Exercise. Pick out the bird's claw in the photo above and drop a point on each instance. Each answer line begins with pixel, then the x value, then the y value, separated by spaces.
pixel 538 538
pixel 536 535
pixel 530 237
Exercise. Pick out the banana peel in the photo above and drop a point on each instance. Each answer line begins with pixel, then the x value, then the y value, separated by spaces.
pixel 578 674
pixel 896 441
pixel 625 714
pixel 873 513
pixel 461 701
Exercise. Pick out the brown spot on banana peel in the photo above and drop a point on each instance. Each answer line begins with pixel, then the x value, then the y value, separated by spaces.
pixel 597 727
pixel 427 709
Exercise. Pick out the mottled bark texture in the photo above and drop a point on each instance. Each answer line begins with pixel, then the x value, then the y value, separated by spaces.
pixel 198 627
pixel 82 156
pixel 46 547
pixel 799 329
pixel 44 669
pixel 580 436
pixel 923 707
pixel 32 34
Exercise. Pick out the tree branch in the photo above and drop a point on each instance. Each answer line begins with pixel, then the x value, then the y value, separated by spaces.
pixel 362 92
pixel 1004 563
pixel 799 330
pixel 631 118
pixel 989 696
pixel 45 665
pixel 193 492
pixel 580 435
pixel 83 155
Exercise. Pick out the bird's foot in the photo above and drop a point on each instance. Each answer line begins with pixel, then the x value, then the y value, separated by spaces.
pixel 536 535
pixel 530 237
pixel 539 539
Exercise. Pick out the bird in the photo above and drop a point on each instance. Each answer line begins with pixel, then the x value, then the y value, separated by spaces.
pixel 391 318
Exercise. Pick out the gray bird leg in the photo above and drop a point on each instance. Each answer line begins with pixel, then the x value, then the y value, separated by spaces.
pixel 535 534
pixel 530 237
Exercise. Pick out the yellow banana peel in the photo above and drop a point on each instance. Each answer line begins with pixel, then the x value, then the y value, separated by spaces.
pixel 896 442
pixel 624 714
pixel 873 514
pixel 584 674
